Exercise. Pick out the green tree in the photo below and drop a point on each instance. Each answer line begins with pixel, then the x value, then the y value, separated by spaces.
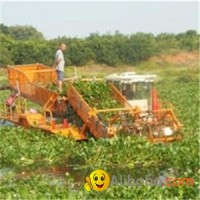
pixel 140 47
pixel 188 40
pixel 30 51
pixel 4 29
pixel 166 43
pixel 79 53
pixel 25 33
pixel 6 57
pixel 104 49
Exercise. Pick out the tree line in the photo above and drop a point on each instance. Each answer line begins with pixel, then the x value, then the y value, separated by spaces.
pixel 25 44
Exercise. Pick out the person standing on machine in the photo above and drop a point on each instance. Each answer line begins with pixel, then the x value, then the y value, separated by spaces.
pixel 59 65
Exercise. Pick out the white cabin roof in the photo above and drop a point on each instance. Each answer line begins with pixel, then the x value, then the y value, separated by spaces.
pixel 130 77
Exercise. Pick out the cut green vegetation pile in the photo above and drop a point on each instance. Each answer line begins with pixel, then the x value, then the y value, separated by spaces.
pixel 98 95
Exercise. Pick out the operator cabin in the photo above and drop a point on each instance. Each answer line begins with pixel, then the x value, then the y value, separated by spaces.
pixel 136 88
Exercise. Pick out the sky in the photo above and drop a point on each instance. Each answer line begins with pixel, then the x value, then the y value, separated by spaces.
pixel 81 18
